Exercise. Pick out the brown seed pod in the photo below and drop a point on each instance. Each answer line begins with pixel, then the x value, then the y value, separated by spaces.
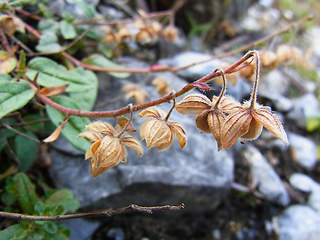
pixel 170 33
pixel 248 71
pixel 124 35
pixel 232 78
pixel 268 59
pixel 107 149
pixel 159 132
pixel 161 84
pixel 284 53
pixel 155 27
pixel 144 36
pixel 135 91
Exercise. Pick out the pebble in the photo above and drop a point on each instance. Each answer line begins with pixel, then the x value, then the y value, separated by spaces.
pixel 304 150
pixel 303 108
pixel 264 176
pixel 298 222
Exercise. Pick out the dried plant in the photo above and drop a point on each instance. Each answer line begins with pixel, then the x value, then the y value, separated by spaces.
pixel 161 84
pixel 159 131
pixel 211 114
pixel 107 149
pixel 135 91
pixel 247 121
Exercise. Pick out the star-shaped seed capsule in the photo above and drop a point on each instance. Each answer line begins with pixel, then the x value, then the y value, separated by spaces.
pixel 108 146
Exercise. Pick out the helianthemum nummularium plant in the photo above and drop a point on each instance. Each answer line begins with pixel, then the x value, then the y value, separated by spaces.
pixel 107 149
pixel 248 120
pixel 211 114
pixel 159 131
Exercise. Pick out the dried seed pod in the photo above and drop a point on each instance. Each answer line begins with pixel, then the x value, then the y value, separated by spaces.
pixel 248 71
pixel 232 78
pixel 193 104
pixel 298 58
pixel 108 150
pixel 284 53
pixel 11 24
pixel 155 27
pixel 247 121
pixel 211 114
pixel 124 35
pixel 170 33
pixel 135 91
pixel 268 59
pixel 144 37
pixel 161 84
pixel 159 132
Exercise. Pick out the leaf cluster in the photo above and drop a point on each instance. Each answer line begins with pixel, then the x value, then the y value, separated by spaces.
pixel 20 195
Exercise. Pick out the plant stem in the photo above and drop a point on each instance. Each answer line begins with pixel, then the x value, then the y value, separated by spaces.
pixel 102 213
pixel 223 90
pixel 254 92
pixel 130 119
pixel 121 111
pixel 173 94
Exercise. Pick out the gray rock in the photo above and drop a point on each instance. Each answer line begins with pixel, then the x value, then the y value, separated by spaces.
pixel 81 229
pixel 116 234
pixel 281 103
pixel 198 175
pixel 269 141
pixel 70 6
pixel 298 222
pixel 305 151
pixel 274 83
pixel 303 108
pixel 263 175
pixel 195 72
pixel 306 184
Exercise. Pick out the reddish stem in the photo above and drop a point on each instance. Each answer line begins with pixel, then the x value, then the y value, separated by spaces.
pixel 139 107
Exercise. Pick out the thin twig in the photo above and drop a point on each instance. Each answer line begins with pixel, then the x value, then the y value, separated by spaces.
pixel 27 123
pixel 63 49
pixel 5 42
pixel 102 213
pixel 22 45
pixel 20 133
pixel 28 14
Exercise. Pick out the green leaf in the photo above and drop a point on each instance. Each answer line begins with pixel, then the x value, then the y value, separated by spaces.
pixel 74 126
pixel 48 43
pixel 101 61
pixel 63 198
pixel 14 96
pixel 26 194
pixel 26 150
pixel 21 234
pixel 88 10
pixel 22 64
pixel 8 233
pixel 67 30
pixel 48 25
pixel 50 227
pixel 313 123
pixel 39 208
pixel 82 83
pixel 9 198
pixel 5 77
